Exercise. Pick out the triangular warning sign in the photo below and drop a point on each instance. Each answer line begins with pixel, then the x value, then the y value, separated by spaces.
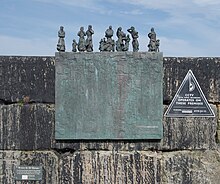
pixel 189 100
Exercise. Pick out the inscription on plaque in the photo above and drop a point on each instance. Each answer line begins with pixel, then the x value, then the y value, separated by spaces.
pixel 114 95
pixel 30 173
pixel 189 100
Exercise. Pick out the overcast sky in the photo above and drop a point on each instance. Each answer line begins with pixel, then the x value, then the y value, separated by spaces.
pixel 184 27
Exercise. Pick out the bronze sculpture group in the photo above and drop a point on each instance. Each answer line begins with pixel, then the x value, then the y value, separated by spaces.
pixel 108 44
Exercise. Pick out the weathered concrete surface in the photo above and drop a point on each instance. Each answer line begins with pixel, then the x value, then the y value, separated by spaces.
pixel 31 127
pixel 26 126
pixel 31 77
pixel 110 167
pixel 10 159
pixel 206 71
pixel 190 133
pixel 140 167
pixel 193 167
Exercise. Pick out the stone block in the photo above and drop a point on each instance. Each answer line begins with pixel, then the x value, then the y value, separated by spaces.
pixel 190 167
pixel 206 71
pixel 190 133
pixel 140 167
pixel 110 167
pixel 218 136
pixel 30 77
pixel 26 126
pixel 218 115
pixel 47 159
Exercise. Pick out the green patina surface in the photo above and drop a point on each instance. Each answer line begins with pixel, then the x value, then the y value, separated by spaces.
pixel 109 95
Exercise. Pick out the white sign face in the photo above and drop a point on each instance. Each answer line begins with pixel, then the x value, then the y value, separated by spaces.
pixel 29 173
pixel 189 100
pixel 24 177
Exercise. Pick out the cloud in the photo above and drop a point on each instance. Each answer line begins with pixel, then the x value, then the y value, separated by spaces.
pixel 155 4
pixel 185 48
pixel 182 8
pixel 91 5
pixel 178 47
pixel 27 47
pixel 193 26
pixel 207 2
pixel 132 12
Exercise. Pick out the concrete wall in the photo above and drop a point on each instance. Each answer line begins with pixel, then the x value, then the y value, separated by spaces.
pixel 188 153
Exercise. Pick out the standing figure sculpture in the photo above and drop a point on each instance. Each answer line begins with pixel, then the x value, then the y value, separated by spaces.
pixel 61 41
pixel 126 46
pixel 121 36
pixel 157 45
pixel 102 44
pixel 89 33
pixel 74 46
pixel 82 42
pixel 109 43
pixel 135 36
pixel 153 43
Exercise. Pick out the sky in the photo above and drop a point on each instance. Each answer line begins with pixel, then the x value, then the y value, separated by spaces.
pixel 185 28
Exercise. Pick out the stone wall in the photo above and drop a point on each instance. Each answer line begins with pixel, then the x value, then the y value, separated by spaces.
pixel 188 152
